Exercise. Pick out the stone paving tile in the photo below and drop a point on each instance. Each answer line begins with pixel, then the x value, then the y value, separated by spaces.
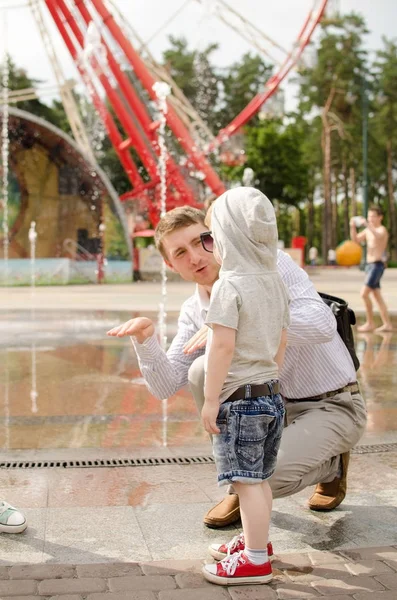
pixel 42 572
pixel 362 574
pixel 338 597
pixel 149 582
pixel 109 570
pixel 171 567
pixel 323 571
pixel 292 560
pixel 368 567
pixel 391 563
pixel 349 585
pixel 191 581
pixel 374 553
pixel 292 591
pixel 320 558
pixel 12 588
pixel 389 580
pixel 66 597
pixel 141 595
pixel 51 587
pixel 253 592
pixel 370 596
pixel 213 593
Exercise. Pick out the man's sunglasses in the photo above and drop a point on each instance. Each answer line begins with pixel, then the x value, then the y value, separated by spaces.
pixel 207 241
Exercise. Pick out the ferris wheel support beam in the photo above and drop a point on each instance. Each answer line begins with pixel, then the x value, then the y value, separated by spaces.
pixel 144 138
pixel 244 28
pixel 135 137
pixel 112 130
pixel 196 157
pixel 68 101
pixel 185 110
pixel 273 83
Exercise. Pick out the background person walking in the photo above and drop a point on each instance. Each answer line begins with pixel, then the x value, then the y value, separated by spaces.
pixel 375 236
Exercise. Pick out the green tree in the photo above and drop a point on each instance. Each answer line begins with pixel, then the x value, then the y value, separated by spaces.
pixel 194 74
pixel 332 89
pixel 19 80
pixel 384 123
pixel 241 82
pixel 275 152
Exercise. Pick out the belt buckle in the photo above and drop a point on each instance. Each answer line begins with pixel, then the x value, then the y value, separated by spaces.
pixel 247 391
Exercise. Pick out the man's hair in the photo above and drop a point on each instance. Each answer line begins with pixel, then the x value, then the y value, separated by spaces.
pixel 178 218
pixel 376 209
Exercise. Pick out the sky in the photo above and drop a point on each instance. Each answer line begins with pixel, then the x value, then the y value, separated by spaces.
pixel 281 20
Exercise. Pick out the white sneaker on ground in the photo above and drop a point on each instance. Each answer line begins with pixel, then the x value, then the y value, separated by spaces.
pixel 11 519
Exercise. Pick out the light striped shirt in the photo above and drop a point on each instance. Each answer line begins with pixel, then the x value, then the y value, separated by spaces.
pixel 316 359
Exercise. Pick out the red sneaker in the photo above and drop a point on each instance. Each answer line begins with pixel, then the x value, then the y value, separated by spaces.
pixel 221 551
pixel 236 569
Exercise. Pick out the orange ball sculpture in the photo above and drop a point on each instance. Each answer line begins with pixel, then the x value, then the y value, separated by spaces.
pixel 348 254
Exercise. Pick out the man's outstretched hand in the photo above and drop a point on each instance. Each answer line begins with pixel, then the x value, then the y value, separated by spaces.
pixel 141 328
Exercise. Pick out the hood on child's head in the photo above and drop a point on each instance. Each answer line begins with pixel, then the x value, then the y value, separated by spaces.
pixel 244 227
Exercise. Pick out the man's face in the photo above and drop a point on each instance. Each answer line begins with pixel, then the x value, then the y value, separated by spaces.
pixel 374 219
pixel 186 255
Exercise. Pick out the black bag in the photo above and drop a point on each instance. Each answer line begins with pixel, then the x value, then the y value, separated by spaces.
pixel 345 318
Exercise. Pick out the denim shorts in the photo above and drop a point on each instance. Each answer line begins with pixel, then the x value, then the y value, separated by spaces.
pixel 246 448
pixel 374 273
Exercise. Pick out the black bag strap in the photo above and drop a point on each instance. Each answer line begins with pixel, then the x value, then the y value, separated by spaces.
pixel 345 318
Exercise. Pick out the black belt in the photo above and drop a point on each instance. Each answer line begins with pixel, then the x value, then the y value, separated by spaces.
pixel 254 391
pixel 353 388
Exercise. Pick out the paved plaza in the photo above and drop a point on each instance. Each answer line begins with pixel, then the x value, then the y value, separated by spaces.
pixel 103 532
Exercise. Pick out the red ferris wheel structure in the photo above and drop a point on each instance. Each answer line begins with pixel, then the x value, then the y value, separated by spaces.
pixel 124 98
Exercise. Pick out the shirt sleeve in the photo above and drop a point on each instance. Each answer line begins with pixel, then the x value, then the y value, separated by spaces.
pixel 224 305
pixel 312 321
pixel 166 373
pixel 287 313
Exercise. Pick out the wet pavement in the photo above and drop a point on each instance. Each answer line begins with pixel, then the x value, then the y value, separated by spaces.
pixel 66 386
pixel 70 393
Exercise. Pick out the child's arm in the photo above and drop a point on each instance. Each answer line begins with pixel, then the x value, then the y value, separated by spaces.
pixel 279 358
pixel 219 360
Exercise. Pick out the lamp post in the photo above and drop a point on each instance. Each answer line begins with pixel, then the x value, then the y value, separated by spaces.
pixel 365 145
pixel 364 99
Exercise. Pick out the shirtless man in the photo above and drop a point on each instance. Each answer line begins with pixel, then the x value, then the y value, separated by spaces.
pixel 375 236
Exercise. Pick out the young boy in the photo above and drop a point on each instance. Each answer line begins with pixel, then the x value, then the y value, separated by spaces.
pixel 243 409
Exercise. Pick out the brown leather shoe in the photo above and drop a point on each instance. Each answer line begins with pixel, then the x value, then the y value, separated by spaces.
pixel 224 513
pixel 328 496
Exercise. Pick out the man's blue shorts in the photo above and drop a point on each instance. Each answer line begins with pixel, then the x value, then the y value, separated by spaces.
pixel 246 448
pixel 374 273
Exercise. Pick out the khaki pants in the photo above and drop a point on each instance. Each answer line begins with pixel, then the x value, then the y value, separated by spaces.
pixel 317 433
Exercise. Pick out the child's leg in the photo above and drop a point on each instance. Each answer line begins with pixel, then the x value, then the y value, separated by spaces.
pixel 255 509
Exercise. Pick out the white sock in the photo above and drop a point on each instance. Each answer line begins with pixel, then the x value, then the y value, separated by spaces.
pixel 257 557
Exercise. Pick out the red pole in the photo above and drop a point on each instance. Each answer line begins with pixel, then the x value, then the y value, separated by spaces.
pixel 129 126
pixel 137 107
pixel 173 120
pixel 271 86
pixel 114 135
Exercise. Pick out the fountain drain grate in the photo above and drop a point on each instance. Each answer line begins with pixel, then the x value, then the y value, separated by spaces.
pixel 115 462
pixel 152 462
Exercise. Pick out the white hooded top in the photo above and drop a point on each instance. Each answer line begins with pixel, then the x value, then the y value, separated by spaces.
pixel 249 295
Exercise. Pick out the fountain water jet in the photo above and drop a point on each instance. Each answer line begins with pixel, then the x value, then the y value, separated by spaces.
pixel 5 148
pixel 32 240
pixel 162 90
